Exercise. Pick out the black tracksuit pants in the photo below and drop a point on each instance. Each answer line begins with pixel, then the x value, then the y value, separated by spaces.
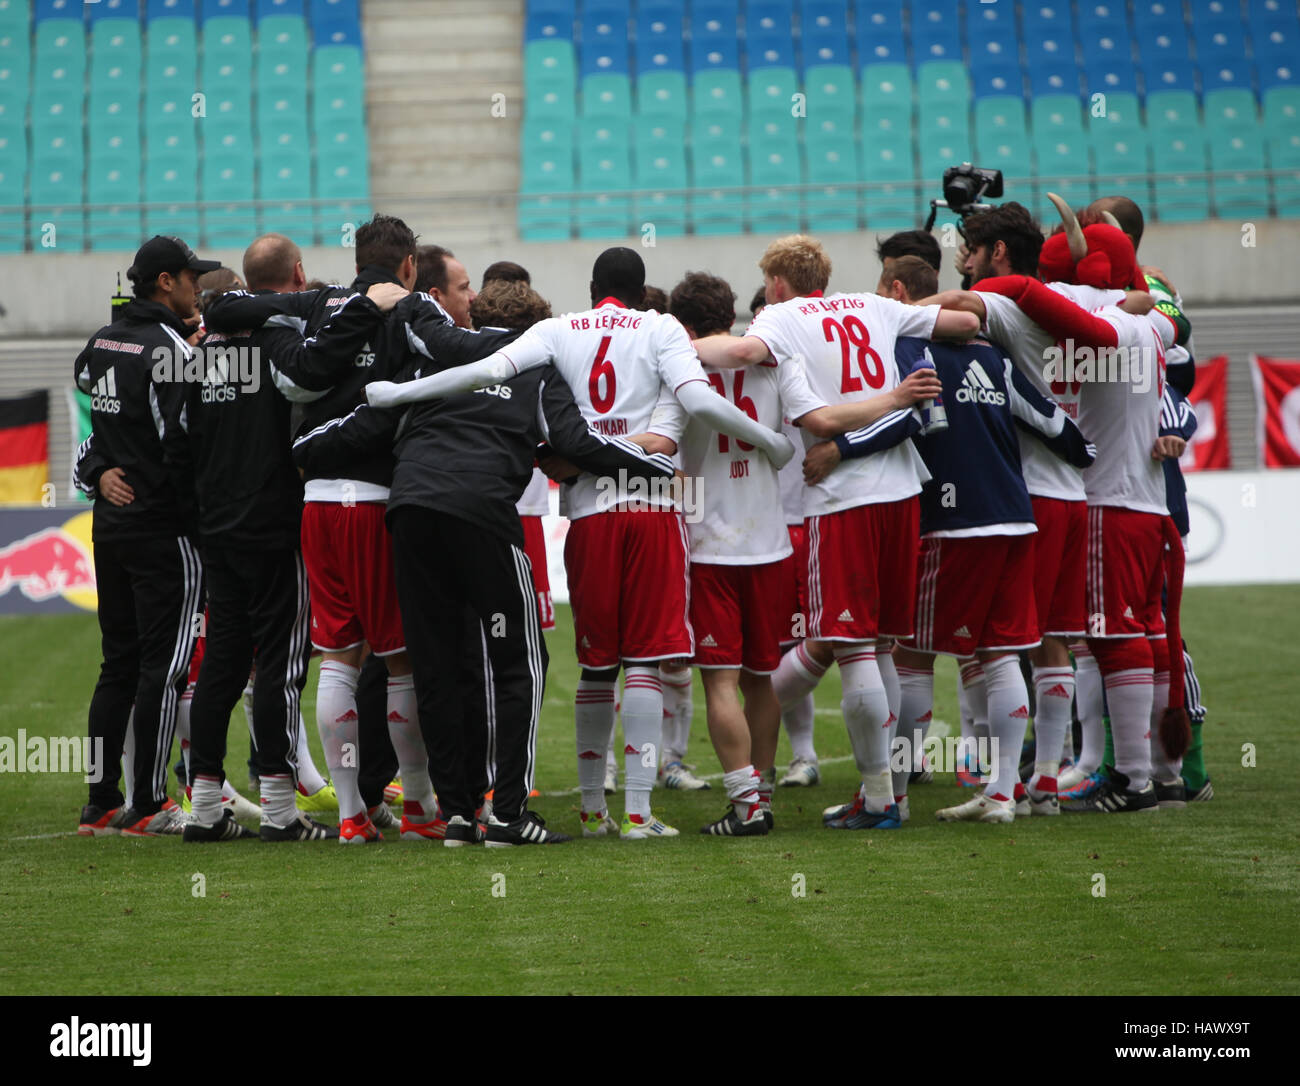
pixel 255 598
pixel 149 593
pixel 376 759
pixel 452 575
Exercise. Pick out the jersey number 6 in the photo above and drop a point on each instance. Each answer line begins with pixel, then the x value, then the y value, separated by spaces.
pixel 602 370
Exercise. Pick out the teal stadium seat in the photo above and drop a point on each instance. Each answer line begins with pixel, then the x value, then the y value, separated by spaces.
pixel 1123 114
pixel 886 85
pixel 550 80
pixel 1062 155
pixel 831 92
pixel 661 174
pixel 662 95
pixel 717 94
pixel 56 220
pixel 1177 156
pixel 13 180
pixel 60 47
pixel 604 178
pixel 547 168
pixel 1237 161
pixel 1230 110
pixel 1284 160
pixel 890 201
pixel 834 169
pixel 227 181
pixel 717 166
pixel 113 193
pixel 338 84
pixel 170 192
pixel 113 122
pixel 1171 110
pixel 774 207
pixel 168 122
pixel 171 56
pixel 607 96
pixel 342 180
pixel 771 93
pixel 115 55
pixel 1282 109
pixel 284 186
pixel 1002 142
pixel 942 82
pixel 1123 162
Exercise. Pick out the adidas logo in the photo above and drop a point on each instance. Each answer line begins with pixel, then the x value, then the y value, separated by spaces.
pixel 216 382
pixel 591 755
pixel 1021 714
pixel 346 718
pixel 1128 612
pixel 845 616
pixel 585 643
pixel 977 388
pixel 103 397
pixel 630 749
pixel 708 642
pixel 1057 691
pixel 396 718
pixel 925 719
pixel 961 631
pixel 892 720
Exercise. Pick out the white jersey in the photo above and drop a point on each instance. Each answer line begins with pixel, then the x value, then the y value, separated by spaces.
pixel 1121 415
pixel 847 344
pixel 792 478
pixel 1029 346
pixel 615 361
pixel 536 500
pixel 737 517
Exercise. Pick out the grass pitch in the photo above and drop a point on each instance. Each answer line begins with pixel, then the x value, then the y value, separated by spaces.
pixel 1197 901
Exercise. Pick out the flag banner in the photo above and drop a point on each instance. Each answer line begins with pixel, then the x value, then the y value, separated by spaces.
pixel 24 448
pixel 79 427
pixel 1209 449
pixel 1277 410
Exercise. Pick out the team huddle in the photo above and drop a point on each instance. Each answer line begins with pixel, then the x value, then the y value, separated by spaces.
pixel 361 471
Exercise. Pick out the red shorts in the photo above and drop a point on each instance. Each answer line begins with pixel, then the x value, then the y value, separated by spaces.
pixel 349 558
pixel 799 541
pixel 1059 556
pixel 976 592
pixel 1126 572
pixel 741 614
pixel 862 571
pixel 535 548
pixel 628 587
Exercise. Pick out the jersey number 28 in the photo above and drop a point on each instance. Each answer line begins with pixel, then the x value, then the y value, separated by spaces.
pixel 853 337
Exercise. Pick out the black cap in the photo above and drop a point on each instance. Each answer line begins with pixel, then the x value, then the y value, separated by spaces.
pixel 162 254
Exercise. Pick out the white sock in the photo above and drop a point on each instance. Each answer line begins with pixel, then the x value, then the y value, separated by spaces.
pixel 742 790
pixel 643 718
pixel 1008 709
pixel 1129 695
pixel 277 798
pixel 972 679
pixel 336 720
pixel 1088 692
pixel 678 709
pixel 865 706
pixel 1054 702
pixel 794 680
pixel 593 719
pixel 205 800
pixel 408 744
pixel 1163 769
pixel 916 709
pixel 310 780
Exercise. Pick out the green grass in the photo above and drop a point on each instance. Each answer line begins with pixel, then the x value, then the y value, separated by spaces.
pixel 1198 901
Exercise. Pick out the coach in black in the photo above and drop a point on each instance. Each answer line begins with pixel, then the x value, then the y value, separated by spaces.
pixel 146 566
pixel 462 464
pixel 234 426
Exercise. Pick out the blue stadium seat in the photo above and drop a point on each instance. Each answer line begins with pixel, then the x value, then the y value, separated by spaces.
pixel 769 15
pixel 1054 16
pixel 167 9
pixel 337 32
pixel 1166 55
pixel 936 31
pixel 58 9
pixel 113 9
pixel 1263 12
pixel 881 46
pixel 1227 74
pixel 996 80
pixel 659 44
pixel 1278 73
pixel 549 23
pixel 1110 77
pixel 714 50
pixel 769 50
pixel 264 8
pixel 1215 9
pixel 825 47
pixel 214 9
pixel 1095 14
pixel 1217 40
pixel 1279 41
pixel 1052 77
pixel 603 45
pixel 823 14
pixel 994 49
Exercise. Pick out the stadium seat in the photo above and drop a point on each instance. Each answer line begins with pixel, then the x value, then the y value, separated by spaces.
pixel 997 80
pixel 1054 77
pixel 714 50
pixel 284 187
pixel 717 166
pixel 771 93
pixel 831 91
pixel 996 117
pixel 944 121
pixel 890 201
pixel 170 193
pixel 547 170
pixel 825 47
pixel 1004 148
pixel 774 205
pixel 1219 39
pixel 60 52
pixel 335 22
pixel 1122 114
pixel 1055 113
pixel 1116 76
pixel 833 165
pixel 269 8
pixel 1172 110
pixel 1284 160
pixel 608 96
pixel 1178 157
pixel 1237 161
pixel 227 43
pixel 13 106
pixel 882 44
pixel 1277 72
pixel 284 135
pixel 604 176
pixel 1277 42
pixel 46 10
pixel 769 50
pixel 115 54
pixel 56 123
pixel 662 94
pixel 717 94
pixel 113 122
pixel 936 31
pixel 603 46
pixel 1282 109
pixel 168 121
pixel 886 84
pixel 13 180
pixel 339 70
pixel 1228 110
pixel 1063 164
pixel 942 82
pixel 661 172
pixel 1122 160
pixel 941 149
pixel 171 57
pixel 165 9
pixel 659 44
pixel 1166 58
pixel 1228 75
pixel 113 9
pixel 113 193
pixel 214 9
pixel 550 79
pixel 1092 14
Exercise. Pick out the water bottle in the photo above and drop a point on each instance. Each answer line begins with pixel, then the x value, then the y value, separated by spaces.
pixel 934 417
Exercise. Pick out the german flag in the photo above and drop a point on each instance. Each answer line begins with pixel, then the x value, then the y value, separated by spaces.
pixel 24 448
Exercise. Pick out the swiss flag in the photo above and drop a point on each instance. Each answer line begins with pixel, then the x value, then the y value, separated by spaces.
pixel 1277 403
pixel 1208 450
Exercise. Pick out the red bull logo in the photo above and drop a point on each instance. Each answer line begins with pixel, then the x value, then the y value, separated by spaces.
pixel 51 563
